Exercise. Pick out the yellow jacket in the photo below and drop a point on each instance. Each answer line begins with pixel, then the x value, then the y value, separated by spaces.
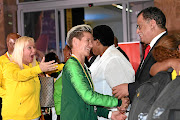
pixel 3 60
pixel 22 98
pixel 21 101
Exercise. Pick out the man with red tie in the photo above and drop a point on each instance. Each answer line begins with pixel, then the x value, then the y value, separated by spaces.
pixel 150 28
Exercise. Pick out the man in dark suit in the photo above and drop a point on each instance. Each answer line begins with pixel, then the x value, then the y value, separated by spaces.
pixel 151 28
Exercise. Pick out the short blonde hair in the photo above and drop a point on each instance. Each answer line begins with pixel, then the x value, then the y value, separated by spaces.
pixel 17 55
pixel 77 32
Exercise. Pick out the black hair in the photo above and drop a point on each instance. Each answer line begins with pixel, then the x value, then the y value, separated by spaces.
pixel 104 34
pixel 49 57
pixel 155 14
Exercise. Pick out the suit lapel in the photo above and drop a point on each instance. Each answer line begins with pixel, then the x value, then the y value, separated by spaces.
pixel 142 64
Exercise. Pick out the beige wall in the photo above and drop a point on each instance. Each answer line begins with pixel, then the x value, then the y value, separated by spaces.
pixel 171 9
pixel 8 22
pixel 2 32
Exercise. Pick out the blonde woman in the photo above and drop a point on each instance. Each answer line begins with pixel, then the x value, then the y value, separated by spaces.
pixel 21 101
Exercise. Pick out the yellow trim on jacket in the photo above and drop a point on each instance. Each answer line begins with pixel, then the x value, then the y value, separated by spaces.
pixel 59 68
pixel 174 74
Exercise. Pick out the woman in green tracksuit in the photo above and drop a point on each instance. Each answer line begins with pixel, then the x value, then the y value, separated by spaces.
pixel 79 101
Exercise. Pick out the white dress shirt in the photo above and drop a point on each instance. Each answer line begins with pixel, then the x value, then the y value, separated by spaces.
pixel 110 70
pixel 154 40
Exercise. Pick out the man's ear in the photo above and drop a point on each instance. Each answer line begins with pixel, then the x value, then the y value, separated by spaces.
pixel 75 41
pixel 11 44
pixel 153 24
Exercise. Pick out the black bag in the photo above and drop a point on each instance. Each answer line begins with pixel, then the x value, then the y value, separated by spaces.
pixel 167 105
pixel 146 94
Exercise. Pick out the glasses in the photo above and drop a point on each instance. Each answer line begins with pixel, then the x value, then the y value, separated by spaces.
pixel 144 23
pixel 138 27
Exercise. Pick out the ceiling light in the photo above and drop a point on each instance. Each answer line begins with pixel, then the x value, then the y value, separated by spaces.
pixel 121 7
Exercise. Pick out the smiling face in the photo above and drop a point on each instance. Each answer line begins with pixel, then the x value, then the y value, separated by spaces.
pixel 29 52
pixel 144 29
pixel 85 44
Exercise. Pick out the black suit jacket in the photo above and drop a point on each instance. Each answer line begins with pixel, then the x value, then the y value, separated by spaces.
pixel 142 74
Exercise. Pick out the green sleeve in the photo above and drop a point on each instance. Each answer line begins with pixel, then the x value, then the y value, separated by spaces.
pixel 57 94
pixel 80 82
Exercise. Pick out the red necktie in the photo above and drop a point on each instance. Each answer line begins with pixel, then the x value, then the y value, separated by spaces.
pixel 146 51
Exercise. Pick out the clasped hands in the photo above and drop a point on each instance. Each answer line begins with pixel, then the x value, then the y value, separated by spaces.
pixel 120 114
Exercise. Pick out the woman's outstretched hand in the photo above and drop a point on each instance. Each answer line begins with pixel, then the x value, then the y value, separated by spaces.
pixel 47 66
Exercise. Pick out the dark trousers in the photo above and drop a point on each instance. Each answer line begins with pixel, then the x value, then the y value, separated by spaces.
pixel 58 117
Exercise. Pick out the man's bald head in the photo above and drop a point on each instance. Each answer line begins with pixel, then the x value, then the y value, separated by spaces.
pixel 11 39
